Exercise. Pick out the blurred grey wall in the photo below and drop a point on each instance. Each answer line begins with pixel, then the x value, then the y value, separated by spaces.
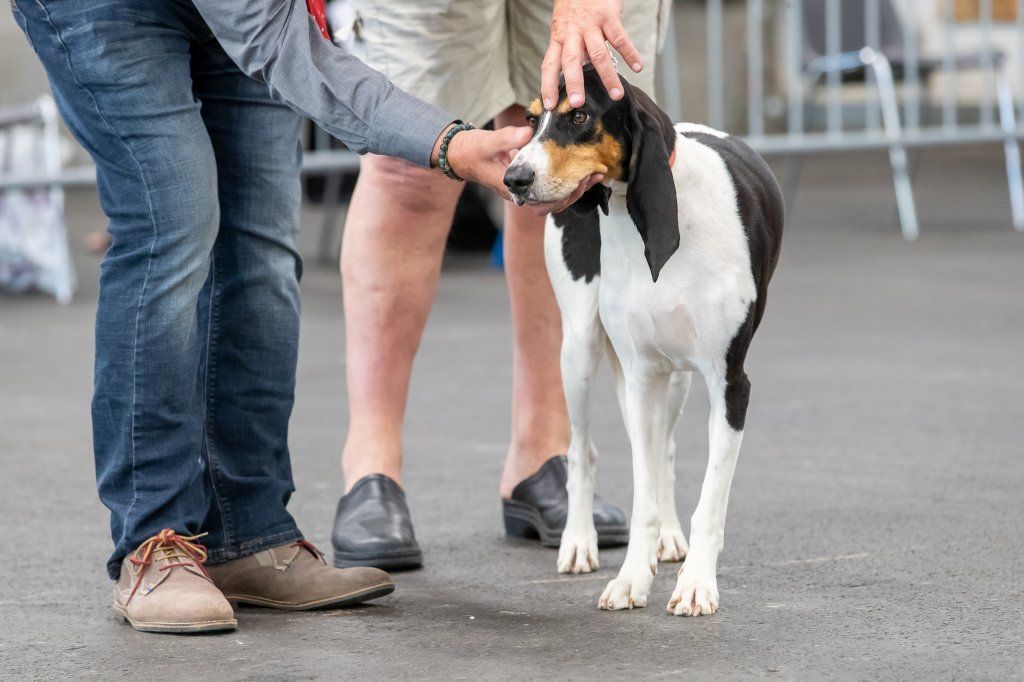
pixel 22 78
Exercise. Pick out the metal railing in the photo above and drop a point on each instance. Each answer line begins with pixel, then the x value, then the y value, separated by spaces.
pixel 901 83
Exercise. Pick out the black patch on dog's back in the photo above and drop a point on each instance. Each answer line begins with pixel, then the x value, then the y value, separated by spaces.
pixel 581 243
pixel 762 213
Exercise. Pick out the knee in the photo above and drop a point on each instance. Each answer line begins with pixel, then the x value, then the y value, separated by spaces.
pixel 737 396
pixel 172 214
pixel 200 220
pixel 187 202
pixel 185 239
pixel 169 249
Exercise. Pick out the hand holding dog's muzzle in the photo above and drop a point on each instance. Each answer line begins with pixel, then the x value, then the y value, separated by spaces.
pixel 484 156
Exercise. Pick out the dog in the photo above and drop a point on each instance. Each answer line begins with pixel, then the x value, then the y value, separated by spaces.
pixel 664 267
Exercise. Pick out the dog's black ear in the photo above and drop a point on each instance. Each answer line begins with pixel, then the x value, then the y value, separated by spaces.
pixel 594 198
pixel 651 191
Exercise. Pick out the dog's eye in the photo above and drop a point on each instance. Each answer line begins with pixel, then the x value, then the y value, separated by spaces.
pixel 532 120
pixel 579 117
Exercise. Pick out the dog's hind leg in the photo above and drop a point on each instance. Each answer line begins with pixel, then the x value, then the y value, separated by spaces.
pixel 646 411
pixel 696 590
pixel 671 541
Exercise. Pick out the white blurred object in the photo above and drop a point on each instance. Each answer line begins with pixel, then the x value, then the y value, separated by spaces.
pixel 344 21
pixel 33 241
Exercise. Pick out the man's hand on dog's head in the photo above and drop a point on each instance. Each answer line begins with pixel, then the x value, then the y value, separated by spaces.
pixel 579 29
pixel 483 156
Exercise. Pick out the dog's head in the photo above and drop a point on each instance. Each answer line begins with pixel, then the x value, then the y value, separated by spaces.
pixel 629 140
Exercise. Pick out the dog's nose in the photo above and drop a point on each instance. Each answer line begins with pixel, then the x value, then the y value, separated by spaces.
pixel 519 178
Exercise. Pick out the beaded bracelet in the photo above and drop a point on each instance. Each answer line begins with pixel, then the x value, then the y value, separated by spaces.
pixel 442 155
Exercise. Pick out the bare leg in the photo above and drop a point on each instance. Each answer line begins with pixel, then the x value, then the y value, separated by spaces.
pixel 540 425
pixel 671 542
pixel 394 241
pixel 390 275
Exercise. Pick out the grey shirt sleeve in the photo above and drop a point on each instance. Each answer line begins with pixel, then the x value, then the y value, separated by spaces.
pixel 277 42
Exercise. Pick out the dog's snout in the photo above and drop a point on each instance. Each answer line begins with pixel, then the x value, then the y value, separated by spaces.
pixel 518 178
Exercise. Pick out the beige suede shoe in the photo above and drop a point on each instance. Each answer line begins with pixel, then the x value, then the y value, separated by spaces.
pixel 295 577
pixel 164 588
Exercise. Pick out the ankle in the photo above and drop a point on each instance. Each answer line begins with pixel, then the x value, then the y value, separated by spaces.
pixel 524 461
pixel 364 456
pixel 354 474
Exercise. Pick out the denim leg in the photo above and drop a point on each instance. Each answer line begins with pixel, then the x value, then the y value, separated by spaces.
pixel 120 70
pixel 252 301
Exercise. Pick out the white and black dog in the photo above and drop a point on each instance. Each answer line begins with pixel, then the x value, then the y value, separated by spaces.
pixel 671 279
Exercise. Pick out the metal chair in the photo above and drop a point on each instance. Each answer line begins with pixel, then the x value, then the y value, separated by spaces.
pixel 866 41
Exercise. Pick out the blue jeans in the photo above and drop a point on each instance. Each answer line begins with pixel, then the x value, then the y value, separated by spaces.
pixel 198 322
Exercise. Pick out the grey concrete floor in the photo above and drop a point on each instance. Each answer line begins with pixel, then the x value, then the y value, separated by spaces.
pixel 877 521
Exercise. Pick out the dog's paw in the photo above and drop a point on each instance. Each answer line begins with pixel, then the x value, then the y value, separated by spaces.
pixel 672 545
pixel 626 592
pixel 578 553
pixel 694 595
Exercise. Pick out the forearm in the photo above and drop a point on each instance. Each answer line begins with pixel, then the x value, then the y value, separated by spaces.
pixel 277 42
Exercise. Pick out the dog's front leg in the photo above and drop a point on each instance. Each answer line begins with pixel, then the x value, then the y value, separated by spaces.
pixel 646 412
pixel 583 340
pixel 696 590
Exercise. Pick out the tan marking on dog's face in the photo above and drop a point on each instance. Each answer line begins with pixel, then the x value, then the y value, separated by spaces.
pixel 564 107
pixel 570 164
pixel 535 108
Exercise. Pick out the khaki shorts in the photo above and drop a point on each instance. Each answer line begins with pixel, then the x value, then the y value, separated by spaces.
pixel 475 58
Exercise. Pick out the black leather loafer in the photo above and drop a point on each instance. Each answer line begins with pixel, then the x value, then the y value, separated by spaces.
pixel 540 504
pixel 372 527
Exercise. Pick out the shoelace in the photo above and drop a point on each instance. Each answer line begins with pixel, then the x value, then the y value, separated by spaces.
pixel 167 545
pixel 300 545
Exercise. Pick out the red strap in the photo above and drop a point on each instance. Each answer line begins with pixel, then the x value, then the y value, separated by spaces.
pixel 319 13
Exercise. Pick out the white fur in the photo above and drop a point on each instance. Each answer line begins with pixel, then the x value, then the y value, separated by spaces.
pixel 656 335
pixel 699 128
pixel 533 153
pixel 535 156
